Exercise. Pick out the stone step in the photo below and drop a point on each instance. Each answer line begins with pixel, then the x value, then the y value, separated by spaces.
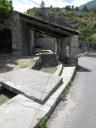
pixel 35 85
pixel 22 112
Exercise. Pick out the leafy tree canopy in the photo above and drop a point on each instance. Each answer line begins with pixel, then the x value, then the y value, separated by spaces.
pixel 85 9
pixel 5 11
pixel 93 37
pixel 42 4
pixel 69 16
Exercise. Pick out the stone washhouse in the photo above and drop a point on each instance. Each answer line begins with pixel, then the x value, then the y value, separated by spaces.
pixel 18 38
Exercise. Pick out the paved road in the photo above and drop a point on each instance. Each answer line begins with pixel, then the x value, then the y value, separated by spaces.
pixel 79 109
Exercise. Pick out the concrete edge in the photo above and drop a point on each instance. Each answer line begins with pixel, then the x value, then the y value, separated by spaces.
pixel 53 91
pixel 10 86
pixel 59 70
pixel 55 98
pixel 60 91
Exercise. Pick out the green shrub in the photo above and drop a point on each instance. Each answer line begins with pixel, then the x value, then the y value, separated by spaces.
pixel 42 123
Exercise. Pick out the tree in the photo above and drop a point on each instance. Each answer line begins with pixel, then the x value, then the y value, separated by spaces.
pixel 72 7
pixel 68 8
pixel 51 6
pixel 77 8
pixel 42 5
pixel 85 9
pixel 94 11
pixel 5 11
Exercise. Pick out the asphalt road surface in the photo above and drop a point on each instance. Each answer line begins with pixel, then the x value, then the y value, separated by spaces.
pixel 79 108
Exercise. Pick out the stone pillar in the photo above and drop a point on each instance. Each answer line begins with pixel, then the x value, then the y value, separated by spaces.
pixel 25 38
pixel 28 39
pixel 62 45
pixel 58 40
pixel 74 49
pixel 56 48
pixel 31 41
pixel 63 49
pixel 15 26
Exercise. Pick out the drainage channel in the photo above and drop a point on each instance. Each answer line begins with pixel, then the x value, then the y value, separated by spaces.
pixel 5 95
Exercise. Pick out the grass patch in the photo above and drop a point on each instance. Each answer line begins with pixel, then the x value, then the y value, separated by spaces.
pixel 42 122
pixel 66 91
pixel 23 65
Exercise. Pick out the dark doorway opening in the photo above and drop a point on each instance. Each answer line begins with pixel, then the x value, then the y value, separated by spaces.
pixel 5 42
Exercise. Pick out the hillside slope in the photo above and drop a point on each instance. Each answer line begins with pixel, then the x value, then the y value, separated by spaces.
pixel 83 21
pixel 90 5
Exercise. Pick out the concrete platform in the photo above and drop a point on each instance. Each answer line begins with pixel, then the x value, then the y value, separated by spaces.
pixel 36 85
pixel 21 112
pixel 67 74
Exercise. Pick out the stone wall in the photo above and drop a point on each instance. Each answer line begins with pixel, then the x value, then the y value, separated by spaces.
pixel 23 40
pixel 87 45
pixel 65 47
pixel 68 49
pixel 15 26
pixel 74 46
pixel 74 49
pixel 22 35
pixel 46 43
pixel 26 39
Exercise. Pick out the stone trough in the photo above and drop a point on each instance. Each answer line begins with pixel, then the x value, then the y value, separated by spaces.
pixel 35 85
pixel 46 59
pixel 23 112
pixel 5 95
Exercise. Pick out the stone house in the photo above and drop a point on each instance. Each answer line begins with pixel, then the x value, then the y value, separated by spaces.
pixel 18 37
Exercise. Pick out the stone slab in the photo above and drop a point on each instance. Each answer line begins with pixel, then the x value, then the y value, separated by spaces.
pixel 36 85
pixel 21 112
pixel 67 75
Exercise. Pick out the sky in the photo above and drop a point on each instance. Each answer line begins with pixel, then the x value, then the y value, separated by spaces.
pixel 23 5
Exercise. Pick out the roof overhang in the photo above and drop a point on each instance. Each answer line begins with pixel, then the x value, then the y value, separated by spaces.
pixel 47 27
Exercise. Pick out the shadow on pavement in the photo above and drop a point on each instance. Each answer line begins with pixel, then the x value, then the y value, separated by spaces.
pixel 82 69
